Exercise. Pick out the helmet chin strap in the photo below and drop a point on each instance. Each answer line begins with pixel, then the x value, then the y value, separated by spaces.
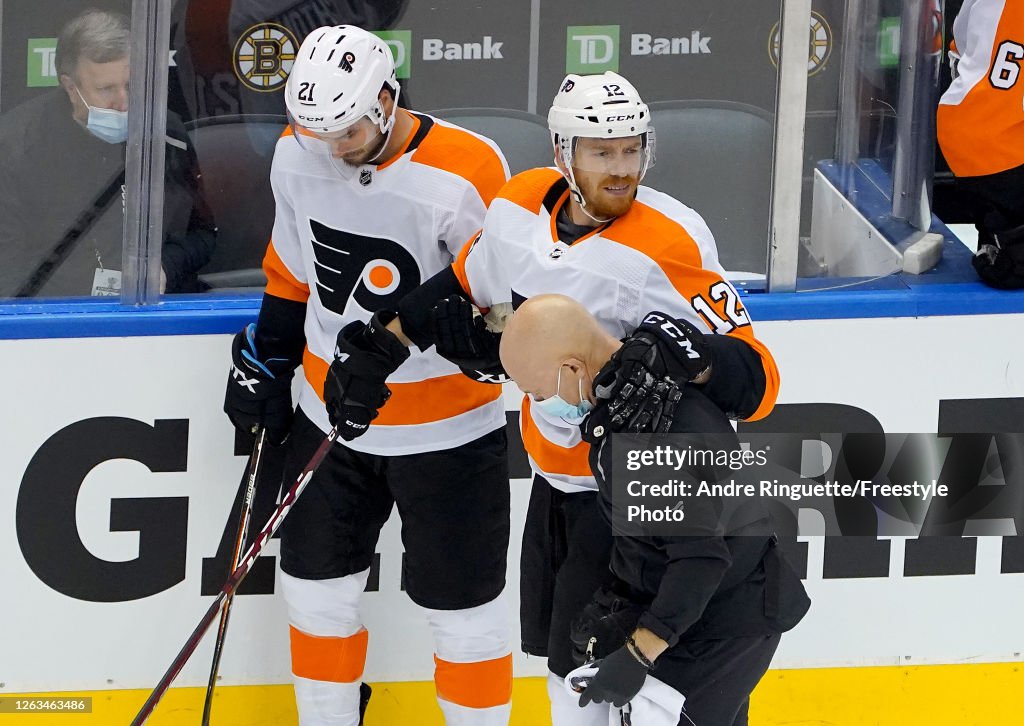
pixel 386 127
pixel 577 195
pixel 384 145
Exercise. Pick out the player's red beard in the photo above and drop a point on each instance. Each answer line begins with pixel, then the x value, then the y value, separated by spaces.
pixel 603 204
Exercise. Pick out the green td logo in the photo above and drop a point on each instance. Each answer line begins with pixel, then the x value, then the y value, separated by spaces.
pixel 889 42
pixel 400 42
pixel 591 48
pixel 40 65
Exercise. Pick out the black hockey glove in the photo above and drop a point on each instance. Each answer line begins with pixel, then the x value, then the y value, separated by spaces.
pixel 461 335
pixel 259 393
pixel 630 397
pixel 999 260
pixel 603 626
pixel 681 352
pixel 366 354
pixel 619 678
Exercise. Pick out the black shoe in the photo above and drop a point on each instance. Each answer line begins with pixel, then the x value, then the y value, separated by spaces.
pixel 364 698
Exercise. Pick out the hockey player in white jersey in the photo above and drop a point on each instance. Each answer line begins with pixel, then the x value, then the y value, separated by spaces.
pixel 372 199
pixel 586 229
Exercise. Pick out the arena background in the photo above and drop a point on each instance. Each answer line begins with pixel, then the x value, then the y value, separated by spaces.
pixel 118 475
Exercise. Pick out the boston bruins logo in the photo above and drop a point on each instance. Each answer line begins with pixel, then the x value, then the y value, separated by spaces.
pixel 264 56
pixel 820 44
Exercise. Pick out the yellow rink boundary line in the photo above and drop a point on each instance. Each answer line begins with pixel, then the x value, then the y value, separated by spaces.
pixel 977 694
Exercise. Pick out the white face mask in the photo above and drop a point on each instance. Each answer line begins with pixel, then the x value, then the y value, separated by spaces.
pixel 106 123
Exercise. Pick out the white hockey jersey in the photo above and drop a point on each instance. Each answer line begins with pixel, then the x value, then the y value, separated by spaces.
pixel 351 246
pixel 660 255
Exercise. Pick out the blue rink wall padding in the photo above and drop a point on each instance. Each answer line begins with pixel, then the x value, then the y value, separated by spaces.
pixel 893 296
pixel 868 187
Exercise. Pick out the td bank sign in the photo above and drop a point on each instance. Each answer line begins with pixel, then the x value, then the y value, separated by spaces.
pixel 596 48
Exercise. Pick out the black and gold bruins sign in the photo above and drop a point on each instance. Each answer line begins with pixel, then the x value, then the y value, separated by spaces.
pixel 264 55
pixel 820 47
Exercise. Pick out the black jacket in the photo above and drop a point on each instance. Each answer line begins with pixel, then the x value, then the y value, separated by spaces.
pixel 57 176
pixel 704 587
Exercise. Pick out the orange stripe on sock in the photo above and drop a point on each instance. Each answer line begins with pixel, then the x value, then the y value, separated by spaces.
pixel 483 684
pixel 326 658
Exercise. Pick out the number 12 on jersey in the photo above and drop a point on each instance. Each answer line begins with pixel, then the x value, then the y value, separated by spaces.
pixel 735 315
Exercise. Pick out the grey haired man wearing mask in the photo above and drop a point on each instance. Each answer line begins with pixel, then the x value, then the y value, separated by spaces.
pixel 62 191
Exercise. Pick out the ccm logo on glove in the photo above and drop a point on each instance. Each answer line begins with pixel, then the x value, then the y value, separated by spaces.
pixel 673 331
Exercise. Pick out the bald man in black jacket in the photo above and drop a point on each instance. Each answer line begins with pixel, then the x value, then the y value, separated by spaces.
pixel 704 612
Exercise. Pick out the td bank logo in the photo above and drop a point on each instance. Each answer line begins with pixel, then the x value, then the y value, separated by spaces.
pixel 591 48
pixel 41 69
pixel 41 64
pixel 400 42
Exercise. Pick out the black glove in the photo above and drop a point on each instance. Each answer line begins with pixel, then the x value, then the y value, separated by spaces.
pixel 619 678
pixel 259 393
pixel 999 260
pixel 681 352
pixel 603 626
pixel 630 397
pixel 366 354
pixel 461 336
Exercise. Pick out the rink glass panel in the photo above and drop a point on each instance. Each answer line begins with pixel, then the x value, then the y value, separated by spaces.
pixel 62 193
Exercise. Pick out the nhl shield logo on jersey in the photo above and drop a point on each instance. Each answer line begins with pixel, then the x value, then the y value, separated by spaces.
pixel 264 55
pixel 365 177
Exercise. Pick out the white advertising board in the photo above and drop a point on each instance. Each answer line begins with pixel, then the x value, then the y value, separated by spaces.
pixel 102 584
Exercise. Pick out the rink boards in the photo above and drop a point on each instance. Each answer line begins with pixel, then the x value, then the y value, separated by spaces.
pixel 122 443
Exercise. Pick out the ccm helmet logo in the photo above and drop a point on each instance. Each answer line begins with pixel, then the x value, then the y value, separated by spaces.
pixel 628 117
pixel 310 118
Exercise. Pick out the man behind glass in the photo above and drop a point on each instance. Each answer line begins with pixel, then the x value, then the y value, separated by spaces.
pixel 62 191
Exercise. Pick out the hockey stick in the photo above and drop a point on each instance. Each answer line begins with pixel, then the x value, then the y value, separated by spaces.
pixel 235 578
pixel 243 532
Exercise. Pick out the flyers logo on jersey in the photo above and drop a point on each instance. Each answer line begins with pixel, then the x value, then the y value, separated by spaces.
pixel 376 272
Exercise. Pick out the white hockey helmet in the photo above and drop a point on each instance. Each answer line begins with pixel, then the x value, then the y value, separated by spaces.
pixel 336 80
pixel 604 106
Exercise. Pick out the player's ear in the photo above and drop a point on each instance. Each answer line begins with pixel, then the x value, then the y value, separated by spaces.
pixel 559 162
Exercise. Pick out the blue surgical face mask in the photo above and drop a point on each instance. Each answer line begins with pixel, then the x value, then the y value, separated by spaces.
pixel 555 407
pixel 107 124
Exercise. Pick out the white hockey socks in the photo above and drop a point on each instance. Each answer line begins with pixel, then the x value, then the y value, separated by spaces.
pixel 473 664
pixel 328 647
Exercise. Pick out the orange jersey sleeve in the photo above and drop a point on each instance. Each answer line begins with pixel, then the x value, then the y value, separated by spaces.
pixel 686 272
